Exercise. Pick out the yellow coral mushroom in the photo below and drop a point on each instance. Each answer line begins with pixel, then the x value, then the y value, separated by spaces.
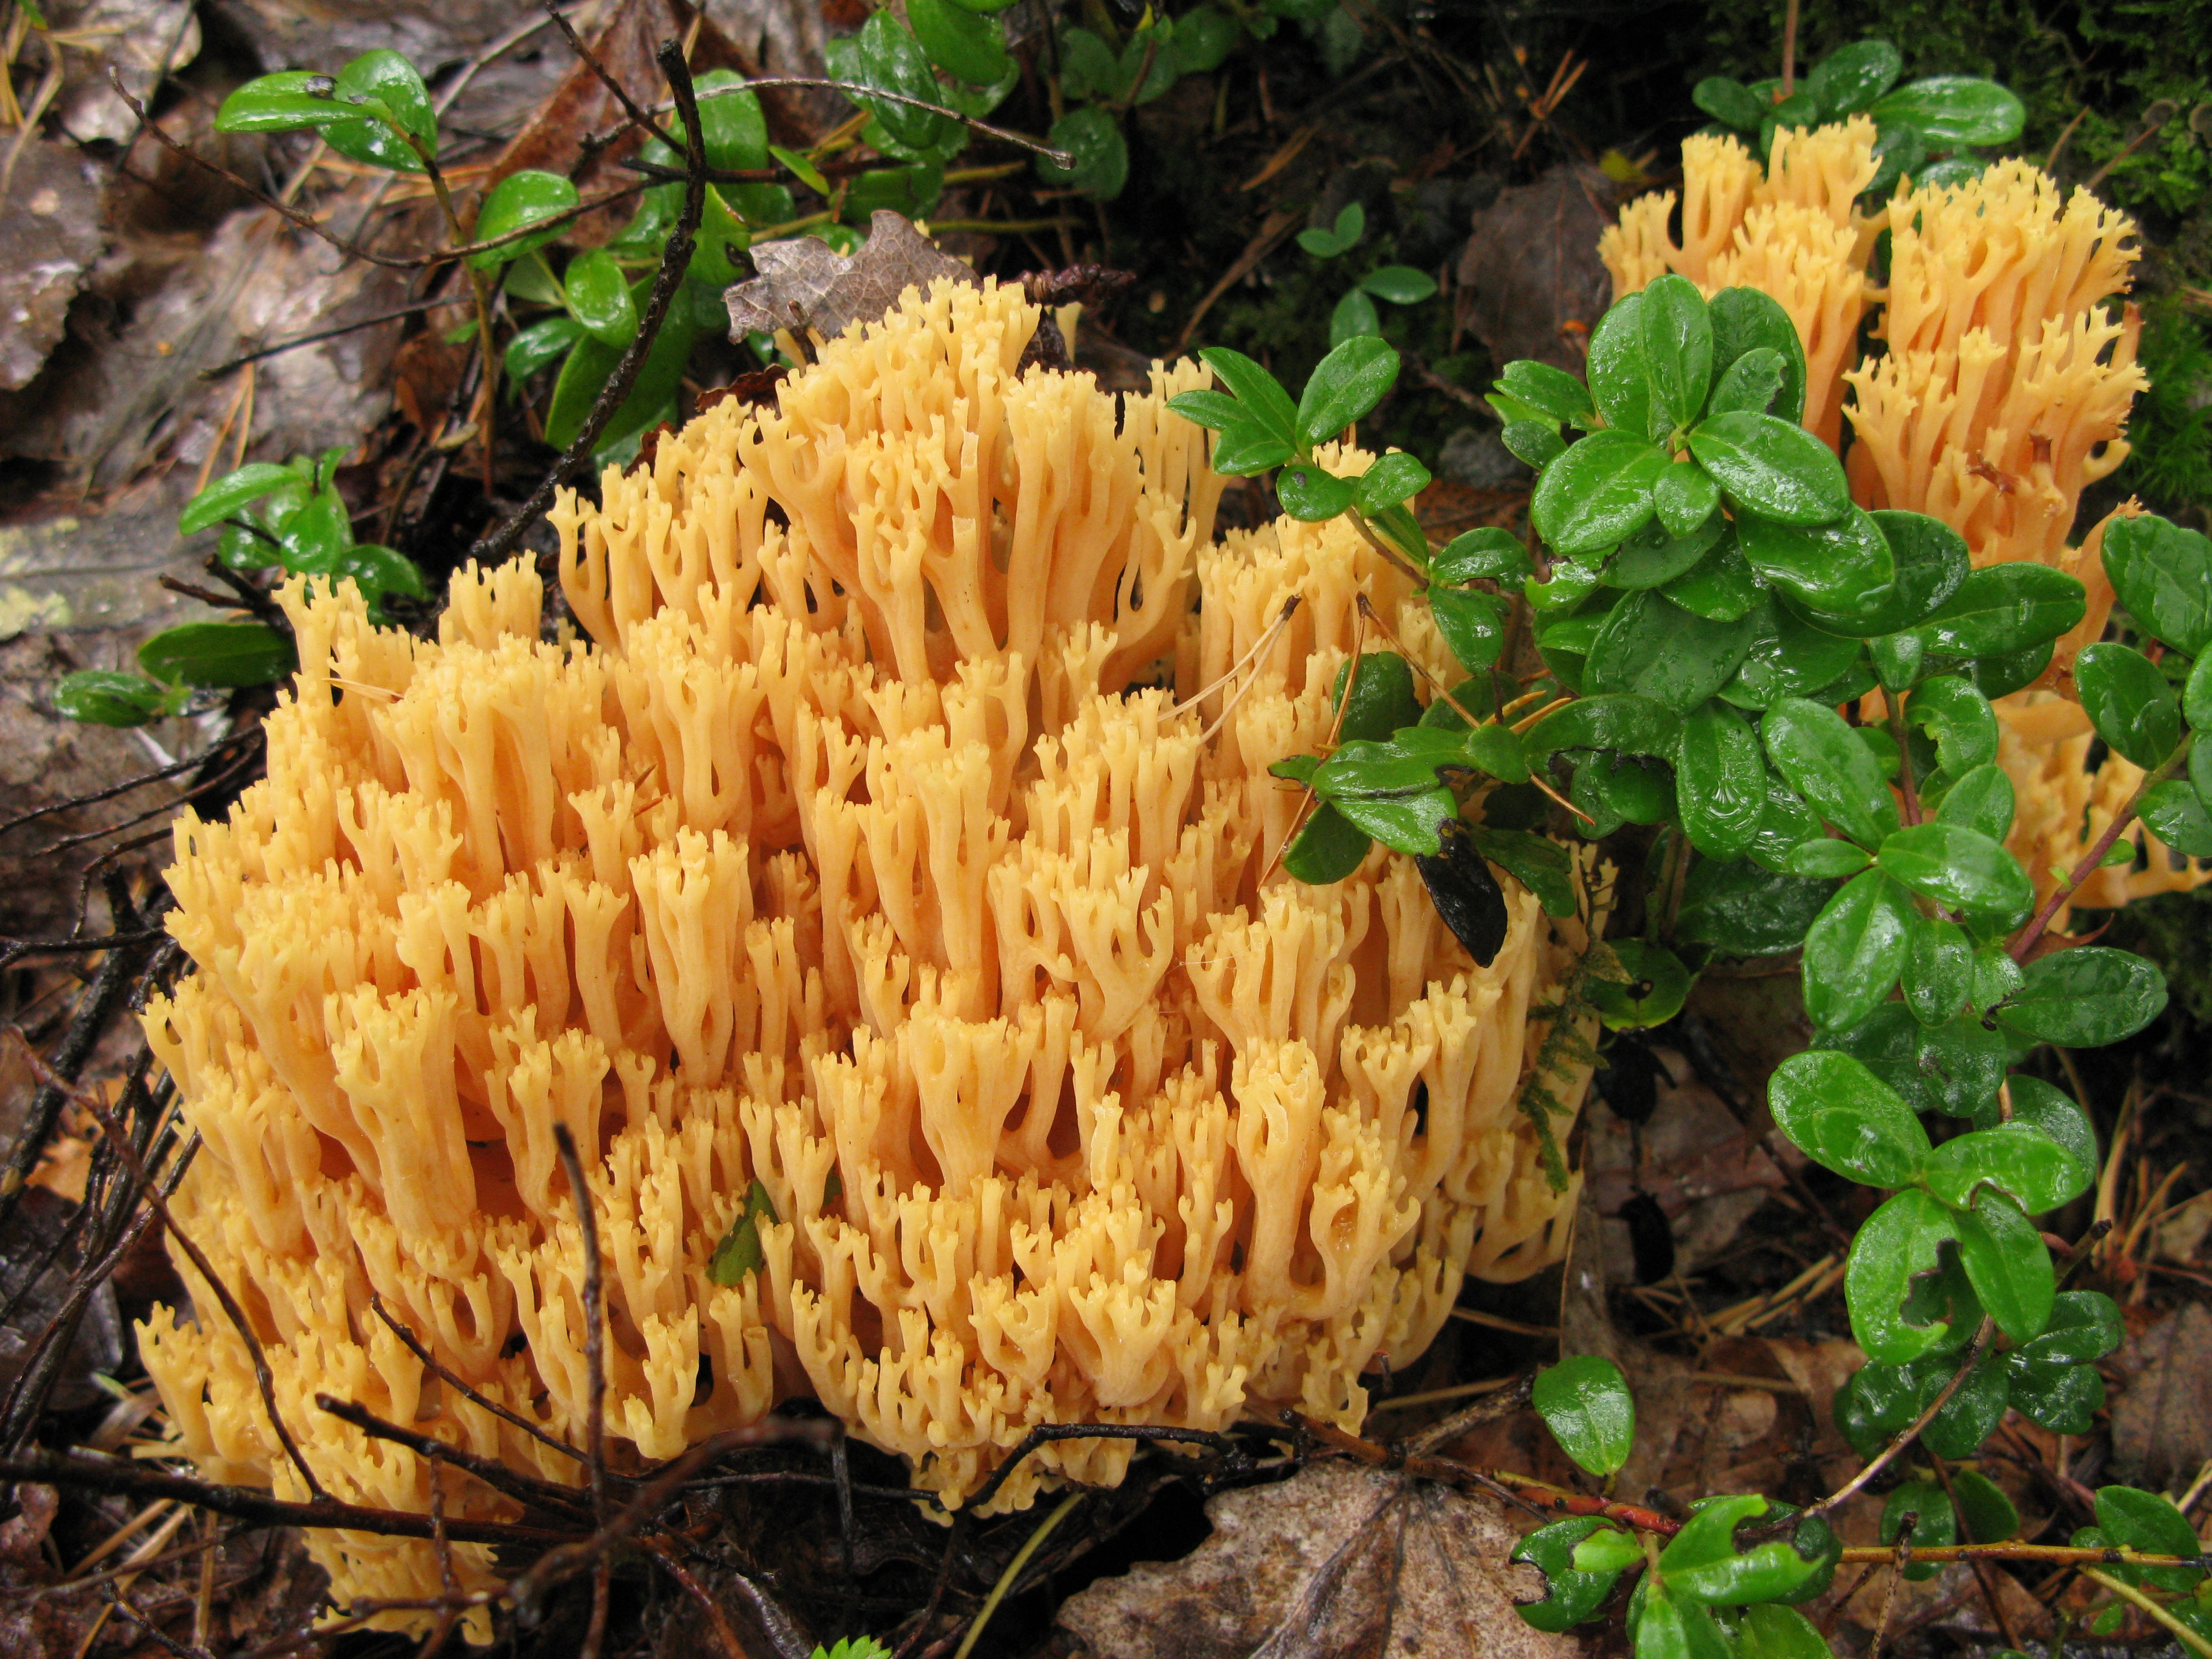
pixel 866 853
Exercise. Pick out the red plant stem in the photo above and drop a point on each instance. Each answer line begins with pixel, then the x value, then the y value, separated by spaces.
pixel 2095 855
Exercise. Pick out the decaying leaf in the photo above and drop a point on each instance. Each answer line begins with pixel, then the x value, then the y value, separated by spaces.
pixel 2162 1419
pixel 804 281
pixel 1531 284
pixel 1337 1562
pixel 50 234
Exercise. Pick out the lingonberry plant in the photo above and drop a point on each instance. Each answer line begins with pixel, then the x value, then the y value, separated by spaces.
pixel 1707 598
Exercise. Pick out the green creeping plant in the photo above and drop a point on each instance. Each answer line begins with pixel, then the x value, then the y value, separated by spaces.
pixel 1925 131
pixel 1355 314
pixel 1712 597
pixel 289 517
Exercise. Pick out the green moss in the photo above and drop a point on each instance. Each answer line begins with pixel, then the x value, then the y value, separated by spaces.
pixel 2171 463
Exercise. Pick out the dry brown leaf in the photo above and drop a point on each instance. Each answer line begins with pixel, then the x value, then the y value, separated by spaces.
pixel 804 281
pixel 2162 1420
pixel 1531 284
pixel 50 234
pixel 1337 1562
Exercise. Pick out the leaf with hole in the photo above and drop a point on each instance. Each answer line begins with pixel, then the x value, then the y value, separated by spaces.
pixel 1571 1594
pixel 1896 1246
pixel 2017 1158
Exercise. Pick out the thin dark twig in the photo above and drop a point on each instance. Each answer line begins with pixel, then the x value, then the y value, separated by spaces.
pixel 638 116
pixel 493 1473
pixel 675 260
pixel 44 1364
pixel 952 1538
pixel 94 798
pixel 242 764
pixel 1021 140
pixel 321 334
pixel 261 1376
pixel 445 1376
pixel 1907 1435
pixel 692 1588
pixel 595 1363
pixel 143 1482
pixel 92 1013
pixel 1046 1434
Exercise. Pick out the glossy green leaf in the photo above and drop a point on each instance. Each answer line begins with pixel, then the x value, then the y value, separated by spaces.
pixel 2084 1325
pixel 1656 987
pixel 2086 997
pixel 1552 390
pixel 1849 79
pixel 1584 1401
pixel 1954 1068
pixel 1839 567
pixel 102 697
pixel 2004 608
pixel 1328 848
pixel 220 654
pixel 2144 1520
pixel 2162 573
pixel 1651 647
pixel 1618 381
pixel 1924 1506
pixel 1090 134
pixel 1847 1119
pixel 1537 862
pixel 1930 562
pixel 1855 950
pixel 1729 102
pixel 1985 1513
pixel 1655 556
pixel 1393 478
pixel 1897 1244
pixel 1773 467
pixel 1721 779
pixel 1959 867
pixel 1633 724
pixel 516 202
pixel 1769 1630
pixel 599 297
pixel 1474 555
pixel 732 125
pixel 1685 497
pixel 1939 971
pixel 1981 800
pixel 1822 758
pixel 2134 707
pixel 232 493
pixel 885 55
pixel 2064 1398
pixel 1392 796
pixel 1677 340
pixel 2017 1158
pixel 2175 813
pixel 390 90
pixel 542 343
pixel 1751 385
pixel 965 46
pixel 1744 320
pixel 1401 285
pixel 1246 447
pixel 1354 315
pixel 1597 494
pixel 1533 443
pixel 1720 586
pixel 2007 1262
pixel 2040 1106
pixel 375 570
pixel 1204 37
pixel 1383 697
pixel 1955 111
pixel 1702 1562
pixel 1473 624
pixel 1959 718
pixel 1827 858
pixel 1789 658
pixel 1742 911
pixel 1307 492
pixel 1571 1594
pixel 1344 387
